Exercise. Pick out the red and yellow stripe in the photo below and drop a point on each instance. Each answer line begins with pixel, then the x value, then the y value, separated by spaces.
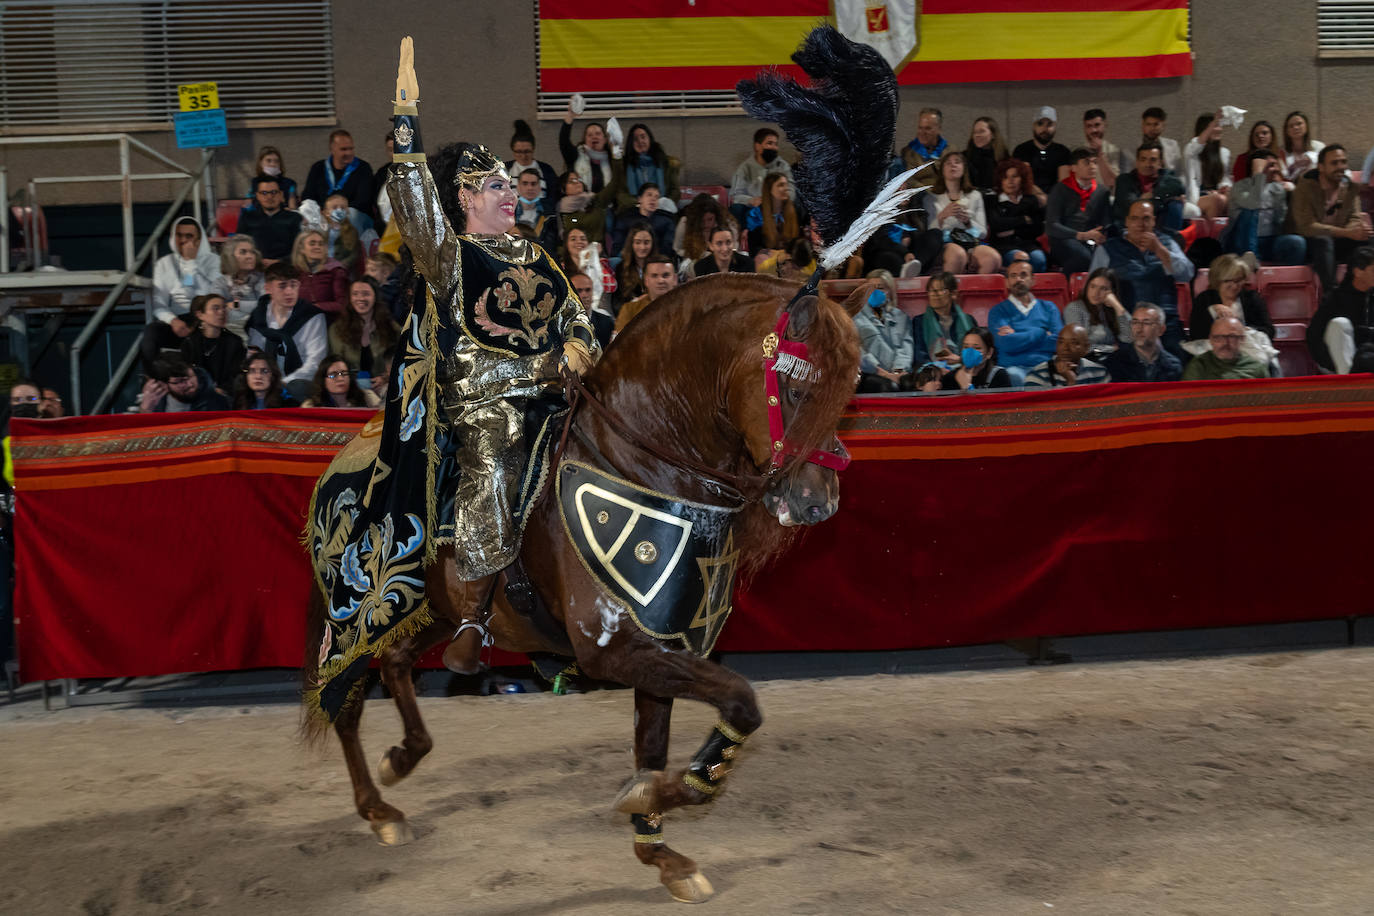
pixel 636 45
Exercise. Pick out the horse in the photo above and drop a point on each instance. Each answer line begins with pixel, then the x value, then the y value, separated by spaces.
pixel 679 404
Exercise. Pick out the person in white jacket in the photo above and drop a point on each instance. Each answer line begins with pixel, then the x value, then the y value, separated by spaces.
pixel 190 270
pixel 1207 167
pixel 955 207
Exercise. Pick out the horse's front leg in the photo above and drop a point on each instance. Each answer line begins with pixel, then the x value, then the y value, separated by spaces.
pixel 397 663
pixel 677 872
pixel 387 822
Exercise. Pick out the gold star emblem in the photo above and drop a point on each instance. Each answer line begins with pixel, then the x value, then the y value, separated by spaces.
pixel 718 585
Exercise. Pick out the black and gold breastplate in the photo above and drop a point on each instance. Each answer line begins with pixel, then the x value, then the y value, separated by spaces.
pixel 669 564
pixel 511 289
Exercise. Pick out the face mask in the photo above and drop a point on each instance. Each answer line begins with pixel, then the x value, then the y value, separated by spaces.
pixel 769 155
pixel 338 214
pixel 271 170
pixel 529 201
pixel 877 298
pixel 971 357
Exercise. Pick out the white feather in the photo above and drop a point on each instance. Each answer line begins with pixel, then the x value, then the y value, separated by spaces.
pixel 886 207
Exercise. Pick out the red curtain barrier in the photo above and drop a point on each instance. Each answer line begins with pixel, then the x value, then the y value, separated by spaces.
pixel 168 543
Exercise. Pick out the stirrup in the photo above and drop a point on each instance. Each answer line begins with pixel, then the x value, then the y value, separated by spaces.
pixel 487 640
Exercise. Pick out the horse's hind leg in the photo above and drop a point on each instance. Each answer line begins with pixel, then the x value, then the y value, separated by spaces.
pixel 397 663
pixel 387 822
pixel 677 872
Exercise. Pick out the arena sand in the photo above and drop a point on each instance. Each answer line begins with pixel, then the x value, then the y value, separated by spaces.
pixel 1220 785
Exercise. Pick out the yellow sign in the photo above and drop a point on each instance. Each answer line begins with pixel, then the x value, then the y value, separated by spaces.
pixel 198 96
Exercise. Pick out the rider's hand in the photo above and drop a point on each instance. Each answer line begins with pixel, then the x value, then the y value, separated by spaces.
pixel 407 89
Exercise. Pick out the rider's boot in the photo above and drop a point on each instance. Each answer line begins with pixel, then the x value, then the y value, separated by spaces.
pixel 464 654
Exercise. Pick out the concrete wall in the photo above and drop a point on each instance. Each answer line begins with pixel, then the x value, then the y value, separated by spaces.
pixel 475 63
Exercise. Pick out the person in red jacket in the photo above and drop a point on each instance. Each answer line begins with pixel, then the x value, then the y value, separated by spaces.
pixel 324 281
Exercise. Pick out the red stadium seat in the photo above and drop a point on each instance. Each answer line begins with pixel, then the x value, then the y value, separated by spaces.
pixel 1294 359
pixel 1185 302
pixel 719 192
pixel 1290 292
pixel 1076 284
pixel 1054 287
pixel 978 293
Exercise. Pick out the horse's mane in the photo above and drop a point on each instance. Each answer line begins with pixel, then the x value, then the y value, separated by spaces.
pixel 712 329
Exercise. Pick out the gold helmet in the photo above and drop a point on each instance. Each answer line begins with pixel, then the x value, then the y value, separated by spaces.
pixel 476 165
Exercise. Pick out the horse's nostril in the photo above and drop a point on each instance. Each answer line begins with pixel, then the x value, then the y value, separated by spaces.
pixel 814 513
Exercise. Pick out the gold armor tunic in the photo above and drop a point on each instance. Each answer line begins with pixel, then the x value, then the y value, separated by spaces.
pixel 510 309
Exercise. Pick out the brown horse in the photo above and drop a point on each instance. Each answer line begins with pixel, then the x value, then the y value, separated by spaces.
pixel 686 380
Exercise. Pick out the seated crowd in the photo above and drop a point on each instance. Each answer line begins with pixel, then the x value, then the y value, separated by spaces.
pixel 308 284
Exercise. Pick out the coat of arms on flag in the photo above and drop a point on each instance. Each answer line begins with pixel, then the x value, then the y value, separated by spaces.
pixel 887 26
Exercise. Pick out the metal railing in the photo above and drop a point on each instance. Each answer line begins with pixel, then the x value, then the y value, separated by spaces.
pixel 195 178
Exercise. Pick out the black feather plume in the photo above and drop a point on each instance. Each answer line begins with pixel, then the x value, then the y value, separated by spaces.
pixel 843 124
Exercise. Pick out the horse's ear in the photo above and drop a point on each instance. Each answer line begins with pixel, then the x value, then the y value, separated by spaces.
pixel 803 315
pixel 854 302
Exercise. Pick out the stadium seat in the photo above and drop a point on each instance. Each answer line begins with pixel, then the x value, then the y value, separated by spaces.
pixel 227 214
pixel 1290 338
pixel 978 293
pixel 1290 292
pixel 719 192
pixel 1054 287
pixel 1076 284
pixel 1185 302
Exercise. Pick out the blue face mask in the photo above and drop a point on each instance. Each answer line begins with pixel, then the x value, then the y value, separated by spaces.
pixel 877 298
pixel 529 201
pixel 972 357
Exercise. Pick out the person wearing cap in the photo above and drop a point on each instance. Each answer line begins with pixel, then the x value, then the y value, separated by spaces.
pixel 1048 160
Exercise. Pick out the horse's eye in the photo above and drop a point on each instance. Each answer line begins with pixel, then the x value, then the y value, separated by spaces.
pixel 794 395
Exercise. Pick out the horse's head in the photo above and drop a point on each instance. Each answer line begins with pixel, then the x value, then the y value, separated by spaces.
pixel 788 406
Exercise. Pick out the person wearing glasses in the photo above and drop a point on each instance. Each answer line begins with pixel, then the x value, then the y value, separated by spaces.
pixel 273 227
pixel 336 385
pixel 26 399
pixel 177 386
pixel 259 385
pixel 1227 296
pixel 939 329
pixel 1145 360
pixel 1226 359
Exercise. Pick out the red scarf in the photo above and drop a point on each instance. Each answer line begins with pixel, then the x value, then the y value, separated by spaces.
pixel 1083 194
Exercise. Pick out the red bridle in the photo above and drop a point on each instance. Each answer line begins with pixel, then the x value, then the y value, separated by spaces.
pixel 789 357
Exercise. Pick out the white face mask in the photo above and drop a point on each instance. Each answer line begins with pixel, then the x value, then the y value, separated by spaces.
pixel 338 213
pixel 271 170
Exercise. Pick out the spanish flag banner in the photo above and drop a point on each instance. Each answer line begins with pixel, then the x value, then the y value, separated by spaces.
pixel 701 45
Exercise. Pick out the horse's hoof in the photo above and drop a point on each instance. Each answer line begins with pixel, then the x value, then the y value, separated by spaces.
pixel 386 774
pixel 692 889
pixel 393 833
pixel 638 796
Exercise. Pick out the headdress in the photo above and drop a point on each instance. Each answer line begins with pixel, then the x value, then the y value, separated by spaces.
pixel 475 166
pixel 843 124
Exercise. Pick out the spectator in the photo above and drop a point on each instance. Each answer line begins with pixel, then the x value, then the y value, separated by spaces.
pixel 365 333
pixel 1016 220
pixel 603 322
pixel 885 339
pixel 928 145
pixel 1026 327
pixel 775 221
pixel 336 385
pixel 956 209
pixel 1227 296
pixel 1048 161
pixel 344 243
pixel 240 281
pixel 580 207
pixel 1077 214
pixel 1099 310
pixel 1326 212
pixel 522 148
pixel 590 159
pixel 1150 182
pixel 386 271
pixel 647 212
pixel 1299 151
pixel 640 245
pixel 1207 167
pixel 1226 359
pixel 659 278
pixel 531 209
pixel 943 322
pixel 1262 137
pixel 1148 266
pixel 1152 122
pixel 1069 365
pixel 191 269
pixel 26 400
pixel 645 162
pixel 270 162
pixel 50 406
pixel 746 187
pixel 692 238
pixel 210 346
pixel 341 172
pixel 272 227
pixel 291 330
pixel 977 364
pixel 1258 207
pixel 1106 154
pixel 1345 322
pixel 985 149
pixel 259 385
pixel 324 282
pixel 723 257
pixel 1145 360
pixel 581 255
pixel 178 386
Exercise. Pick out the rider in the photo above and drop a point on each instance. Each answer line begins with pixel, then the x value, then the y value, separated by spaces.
pixel 514 326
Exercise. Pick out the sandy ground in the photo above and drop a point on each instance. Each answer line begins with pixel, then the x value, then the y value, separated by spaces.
pixel 1220 785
